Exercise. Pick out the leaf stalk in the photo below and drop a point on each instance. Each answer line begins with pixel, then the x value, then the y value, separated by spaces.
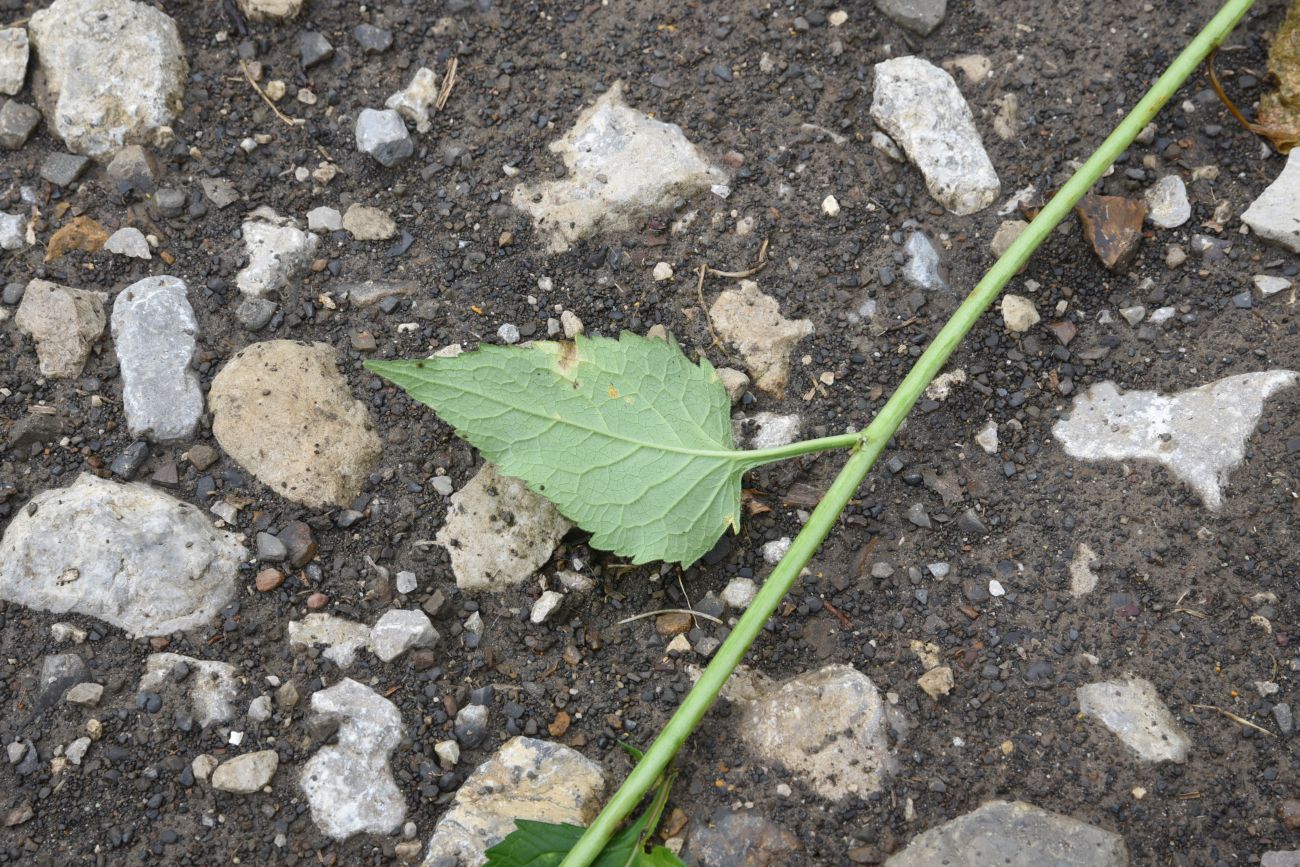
pixel 872 440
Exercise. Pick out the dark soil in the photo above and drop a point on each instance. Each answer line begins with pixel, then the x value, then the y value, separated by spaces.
pixel 1179 584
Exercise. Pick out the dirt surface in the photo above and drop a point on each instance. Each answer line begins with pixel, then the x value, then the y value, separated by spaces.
pixel 1178 584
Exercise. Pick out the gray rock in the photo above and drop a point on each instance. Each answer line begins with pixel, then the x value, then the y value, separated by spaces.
pixel 271 10
pixel 64 322
pixel 154 331
pixel 924 269
pixel 383 135
pixel 129 461
pixel 324 219
pixel 16 750
pixel 372 39
pixel 85 693
pixel 753 322
pixel 472 725
pixel 170 202
pixel 828 727
pixel 406 582
pixel 920 107
pixel 76 751
pixel 370 292
pixel 1275 215
pixel 341 638
pixel 246 774
pixel 918 16
pixel 259 709
pixel 285 413
pixel 130 242
pixel 1280 859
pixel 1269 285
pixel 1199 434
pixel 270 548
pixel 398 631
pixel 739 592
pixel 739 838
pixel 134 170
pixel 17 123
pixel 1284 718
pixel 278 253
pixel 1134 712
pixel 13 59
pixel 212 687
pixel 219 191
pixel 498 533
pixel 1082 579
pixel 621 165
pixel 254 313
pixel 13 292
pixel 1013 834
pixel 526 779
pixel 545 607
pixel 126 554
pixel 63 169
pixel 349 784
pixel 416 101
pixel 13 234
pixel 1167 204
pixel 59 672
pixel 113 72
pixel 313 48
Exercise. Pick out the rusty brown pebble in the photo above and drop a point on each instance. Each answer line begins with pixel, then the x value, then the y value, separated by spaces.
pixel 1289 812
pixel 673 623
pixel 317 600
pixel 269 579
pixel 1113 225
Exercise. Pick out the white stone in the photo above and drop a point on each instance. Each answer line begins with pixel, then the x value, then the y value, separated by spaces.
pixel 663 271
pixel 621 166
pixel 383 135
pixel 406 582
pixel 924 268
pixel 64 322
pixel 734 381
pixel 212 686
pixel 837 18
pixel 753 322
pixel 996 588
pixel 130 242
pixel 921 108
pixel 13 59
pixel 498 532
pixel 1199 434
pixel 571 324
pixel 246 774
pixel 349 784
pixel 76 751
pixel 831 206
pixel 342 638
pixel 87 694
pixel 1133 711
pixel 368 224
pixel 1275 215
pixel 126 554
pixel 259 709
pixel 278 253
pixel 154 332
pixel 768 430
pixel 112 72
pixel 545 606
pixel 271 10
pixel 776 549
pixel 324 219
pixel 1270 285
pixel 1013 834
pixel 887 146
pixel 13 231
pixel 987 438
pixel 416 100
pixel 526 779
pixel 448 753
pixel 202 766
pixel 67 632
pixel 285 413
pixel 1018 313
pixel 400 630
pixel 1082 579
pixel 1167 204
pixel 828 728
pixel 739 592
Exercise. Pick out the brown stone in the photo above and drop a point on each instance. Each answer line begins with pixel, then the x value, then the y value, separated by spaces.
pixel 673 623
pixel 560 725
pixel 268 579
pixel 1113 225
pixel 202 456
pixel 1289 813
pixel 297 537
pixel 317 600
pixel 81 233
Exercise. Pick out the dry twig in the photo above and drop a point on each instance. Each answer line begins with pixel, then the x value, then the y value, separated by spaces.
pixel 291 121
pixel 448 82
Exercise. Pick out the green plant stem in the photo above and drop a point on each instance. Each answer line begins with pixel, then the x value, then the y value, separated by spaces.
pixel 871 442
pixel 759 457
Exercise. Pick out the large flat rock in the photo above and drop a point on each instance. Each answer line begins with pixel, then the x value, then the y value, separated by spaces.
pixel 1199 434
pixel 1275 215
pixel 285 413
pixel 1132 709
pixel 126 554
pixel 621 165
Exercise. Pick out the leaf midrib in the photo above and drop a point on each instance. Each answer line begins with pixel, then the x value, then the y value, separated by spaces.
pixel 734 455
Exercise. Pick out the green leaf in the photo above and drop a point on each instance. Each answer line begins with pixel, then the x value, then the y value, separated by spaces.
pixel 628 438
